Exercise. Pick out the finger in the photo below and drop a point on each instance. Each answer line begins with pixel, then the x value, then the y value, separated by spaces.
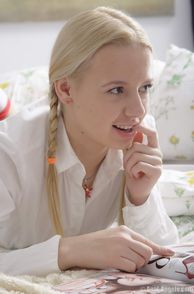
pixel 157 249
pixel 140 157
pixel 126 265
pixel 133 256
pixel 146 169
pixel 132 242
pixel 140 148
pixel 151 135
pixel 141 249
pixel 138 137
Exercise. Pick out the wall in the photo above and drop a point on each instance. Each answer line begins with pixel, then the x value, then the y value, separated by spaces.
pixel 176 29
pixel 29 44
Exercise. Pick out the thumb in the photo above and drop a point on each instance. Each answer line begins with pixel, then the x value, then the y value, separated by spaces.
pixel 138 137
pixel 157 249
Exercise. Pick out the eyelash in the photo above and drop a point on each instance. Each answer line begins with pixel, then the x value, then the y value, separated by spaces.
pixel 120 90
pixel 146 88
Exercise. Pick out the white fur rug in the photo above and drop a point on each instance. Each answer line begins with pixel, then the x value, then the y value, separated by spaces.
pixel 38 285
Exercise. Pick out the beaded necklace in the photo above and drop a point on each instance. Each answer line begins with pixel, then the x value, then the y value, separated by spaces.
pixel 86 187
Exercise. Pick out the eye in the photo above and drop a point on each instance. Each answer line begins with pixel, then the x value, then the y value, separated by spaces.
pixel 116 90
pixel 145 89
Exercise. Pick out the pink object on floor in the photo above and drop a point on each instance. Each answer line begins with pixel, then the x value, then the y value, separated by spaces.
pixel 5 105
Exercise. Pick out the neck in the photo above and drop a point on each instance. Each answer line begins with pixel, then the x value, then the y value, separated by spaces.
pixel 90 157
pixel 90 153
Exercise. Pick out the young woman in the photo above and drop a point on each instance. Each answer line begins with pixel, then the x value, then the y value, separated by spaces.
pixel 100 159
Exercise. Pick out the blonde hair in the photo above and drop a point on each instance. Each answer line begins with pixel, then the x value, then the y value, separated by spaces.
pixel 80 38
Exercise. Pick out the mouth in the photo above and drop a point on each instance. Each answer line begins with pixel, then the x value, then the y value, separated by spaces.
pixel 124 129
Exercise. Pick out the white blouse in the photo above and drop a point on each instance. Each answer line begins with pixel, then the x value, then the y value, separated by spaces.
pixel 28 243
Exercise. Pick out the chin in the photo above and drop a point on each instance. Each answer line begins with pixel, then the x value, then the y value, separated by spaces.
pixel 121 146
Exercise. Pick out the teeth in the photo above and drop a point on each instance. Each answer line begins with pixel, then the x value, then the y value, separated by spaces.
pixel 123 127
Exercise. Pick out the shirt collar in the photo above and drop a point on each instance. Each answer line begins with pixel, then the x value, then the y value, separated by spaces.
pixel 66 157
pixel 113 162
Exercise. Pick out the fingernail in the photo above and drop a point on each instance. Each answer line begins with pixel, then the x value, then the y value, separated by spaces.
pixel 170 251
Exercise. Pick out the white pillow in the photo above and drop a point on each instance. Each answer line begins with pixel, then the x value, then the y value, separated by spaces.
pixel 177 191
pixel 172 105
pixel 25 86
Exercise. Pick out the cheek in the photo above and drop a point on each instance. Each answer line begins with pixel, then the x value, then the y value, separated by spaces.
pixel 106 112
pixel 96 109
pixel 87 113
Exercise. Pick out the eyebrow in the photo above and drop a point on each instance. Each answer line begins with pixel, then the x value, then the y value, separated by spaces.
pixel 117 82
pixel 114 82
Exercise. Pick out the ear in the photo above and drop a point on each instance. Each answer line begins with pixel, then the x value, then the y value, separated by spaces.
pixel 62 89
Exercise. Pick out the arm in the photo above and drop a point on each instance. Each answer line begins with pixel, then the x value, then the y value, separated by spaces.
pixel 145 212
pixel 119 248
pixel 116 247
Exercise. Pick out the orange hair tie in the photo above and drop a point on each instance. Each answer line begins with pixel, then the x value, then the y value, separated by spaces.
pixel 51 160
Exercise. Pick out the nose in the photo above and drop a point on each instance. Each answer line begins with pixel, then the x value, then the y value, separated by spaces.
pixel 135 106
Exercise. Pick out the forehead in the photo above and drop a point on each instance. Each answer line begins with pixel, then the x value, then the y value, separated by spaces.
pixel 116 61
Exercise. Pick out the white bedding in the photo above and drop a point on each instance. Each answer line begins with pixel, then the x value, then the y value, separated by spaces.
pixel 176 186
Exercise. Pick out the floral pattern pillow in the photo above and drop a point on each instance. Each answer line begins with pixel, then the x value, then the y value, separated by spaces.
pixel 177 191
pixel 25 86
pixel 172 105
pixel 185 226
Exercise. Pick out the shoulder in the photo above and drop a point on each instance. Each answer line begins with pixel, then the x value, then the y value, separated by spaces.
pixel 27 125
pixel 22 134
pixel 22 137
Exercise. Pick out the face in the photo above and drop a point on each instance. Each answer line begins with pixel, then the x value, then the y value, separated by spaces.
pixel 110 100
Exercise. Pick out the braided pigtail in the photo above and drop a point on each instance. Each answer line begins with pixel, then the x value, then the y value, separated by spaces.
pixel 122 200
pixel 52 182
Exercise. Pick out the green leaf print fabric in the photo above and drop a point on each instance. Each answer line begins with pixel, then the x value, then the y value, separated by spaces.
pixel 172 105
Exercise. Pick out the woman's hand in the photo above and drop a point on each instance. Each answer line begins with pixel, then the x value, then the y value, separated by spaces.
pixel 143 165
pixel 119 248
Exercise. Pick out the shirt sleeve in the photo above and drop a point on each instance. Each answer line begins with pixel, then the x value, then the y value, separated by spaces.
pixel 37 259
pixel 40 259
pixel 151 220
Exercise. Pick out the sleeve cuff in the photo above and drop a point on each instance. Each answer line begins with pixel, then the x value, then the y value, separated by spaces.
pixel 46 256
pixel 146 206
pixel 150 219
pixel 39 259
